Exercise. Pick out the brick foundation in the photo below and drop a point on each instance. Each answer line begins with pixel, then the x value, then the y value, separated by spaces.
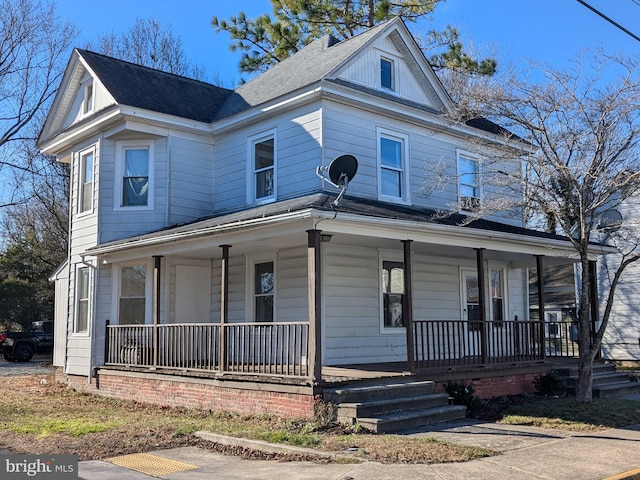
pixel 498 386
pixel 283 401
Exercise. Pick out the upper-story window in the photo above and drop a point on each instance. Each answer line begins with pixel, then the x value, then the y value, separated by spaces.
pixel 134 174
pixel 262 169
pixel 85 187
pixel 393 166
pixel 469 187
pixel 387 74
pixel 87 104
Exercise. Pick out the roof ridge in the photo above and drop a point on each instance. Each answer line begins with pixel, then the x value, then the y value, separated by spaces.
pixel 83 51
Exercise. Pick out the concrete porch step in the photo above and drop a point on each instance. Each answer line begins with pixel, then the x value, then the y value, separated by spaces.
pixel 350 411
pixel 616 390
pixel 607 382
pixel 398 421
pixel 378 391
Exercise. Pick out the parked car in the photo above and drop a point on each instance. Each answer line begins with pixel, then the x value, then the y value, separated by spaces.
pixel 22 346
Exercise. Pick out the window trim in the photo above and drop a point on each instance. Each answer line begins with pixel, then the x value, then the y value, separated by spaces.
pixel 394 61
pixel 252 261
pixel 462 154
pixel 505 298
pixel 81 183
pixel 121 147
pixel 80 268
pixel 252 141
pixel 116 272
pixel 404 177
pixel 88 97
pixel 396 257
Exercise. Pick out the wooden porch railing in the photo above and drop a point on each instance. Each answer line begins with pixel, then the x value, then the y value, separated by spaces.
pixel 454 343
pixel 278 348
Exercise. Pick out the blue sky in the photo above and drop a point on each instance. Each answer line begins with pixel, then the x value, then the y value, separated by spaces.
pixel 550 31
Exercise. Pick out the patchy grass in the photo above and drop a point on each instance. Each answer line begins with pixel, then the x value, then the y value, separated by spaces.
pixel 40 416
pixel 567 414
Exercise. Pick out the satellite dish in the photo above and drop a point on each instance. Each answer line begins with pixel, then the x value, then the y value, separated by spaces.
pixel 341 171
pixel 611 221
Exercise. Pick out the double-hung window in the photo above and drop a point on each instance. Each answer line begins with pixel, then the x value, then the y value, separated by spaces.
pixel 263 291
pixel 85 190
pixel 135 175
pixel 469 181
pixel 82 300
pixel 392 286
pixel 392 166
pixel 132 296
pixel 497 296
pixel 262 161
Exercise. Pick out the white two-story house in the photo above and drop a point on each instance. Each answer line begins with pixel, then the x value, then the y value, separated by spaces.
pixel 210 263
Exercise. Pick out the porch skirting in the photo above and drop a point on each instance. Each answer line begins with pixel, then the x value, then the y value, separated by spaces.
pixel 285 401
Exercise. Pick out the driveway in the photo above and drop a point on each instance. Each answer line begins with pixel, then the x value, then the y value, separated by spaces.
pixel 39 365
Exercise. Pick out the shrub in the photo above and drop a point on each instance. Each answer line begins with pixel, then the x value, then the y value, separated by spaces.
pixel 548 384
pixel 463 394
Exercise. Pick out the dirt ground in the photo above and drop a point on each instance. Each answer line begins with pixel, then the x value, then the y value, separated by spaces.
pixel 39 390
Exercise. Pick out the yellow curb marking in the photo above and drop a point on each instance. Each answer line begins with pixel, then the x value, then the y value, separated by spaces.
pixel 630 475
pixel 152 465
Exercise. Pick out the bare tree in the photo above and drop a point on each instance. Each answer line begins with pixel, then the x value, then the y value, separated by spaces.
pixel 583 125
pixel 34 45
pixel 151 44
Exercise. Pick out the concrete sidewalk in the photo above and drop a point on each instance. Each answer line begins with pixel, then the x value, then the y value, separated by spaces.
pixel 526 453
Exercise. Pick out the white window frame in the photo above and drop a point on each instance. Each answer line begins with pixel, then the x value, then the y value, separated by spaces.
pixel 121 147
pixel 81 177
pixel 394 61
pixel 404 171
pixel 252 141
pixel 460 155
pixel 505 297
pixel 82 268
pixel 88 96
pixel 116 270
pixel 252 261
pixel 396 257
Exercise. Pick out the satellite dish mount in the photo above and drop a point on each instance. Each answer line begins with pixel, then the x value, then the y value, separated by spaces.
pixel 340 172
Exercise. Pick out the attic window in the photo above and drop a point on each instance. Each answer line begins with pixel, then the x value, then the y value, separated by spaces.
pixel 88 98
pixel 386 74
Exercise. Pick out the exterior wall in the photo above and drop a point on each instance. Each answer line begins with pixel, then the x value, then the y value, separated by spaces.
pixel 298 151
pixel 365 70
pixel 621 340
pixel 239 397
pixel 190 176
pixel 61 317
pixel 353 330
pixel 498 386
pixel 354 131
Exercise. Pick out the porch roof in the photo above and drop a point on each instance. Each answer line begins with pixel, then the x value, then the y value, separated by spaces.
pixel 352 215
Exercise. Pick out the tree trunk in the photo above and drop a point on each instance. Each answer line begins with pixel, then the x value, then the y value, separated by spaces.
pixel 585 369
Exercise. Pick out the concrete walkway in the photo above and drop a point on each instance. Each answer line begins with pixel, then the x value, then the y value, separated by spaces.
pixel 526 453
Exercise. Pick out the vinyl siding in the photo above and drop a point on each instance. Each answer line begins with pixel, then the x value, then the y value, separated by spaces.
pixel 298 151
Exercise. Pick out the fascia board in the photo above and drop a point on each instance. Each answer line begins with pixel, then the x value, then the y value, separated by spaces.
pixel 64 140
pixel 263 111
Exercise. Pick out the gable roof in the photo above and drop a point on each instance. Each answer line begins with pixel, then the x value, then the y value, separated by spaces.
pixel 315 62
pixel 143 87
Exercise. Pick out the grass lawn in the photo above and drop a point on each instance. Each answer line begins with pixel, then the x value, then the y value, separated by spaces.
pixel 39 416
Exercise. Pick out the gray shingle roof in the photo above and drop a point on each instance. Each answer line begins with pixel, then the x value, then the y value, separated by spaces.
pixel 306 67
pixel 143 87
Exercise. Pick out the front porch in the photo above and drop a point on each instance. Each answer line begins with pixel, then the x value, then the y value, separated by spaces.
pixel 279 351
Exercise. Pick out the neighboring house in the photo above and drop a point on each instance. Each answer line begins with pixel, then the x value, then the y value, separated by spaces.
pixel 209 264
pixel 621 341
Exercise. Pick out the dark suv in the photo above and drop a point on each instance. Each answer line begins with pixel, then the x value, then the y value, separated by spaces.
pixel 22 346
